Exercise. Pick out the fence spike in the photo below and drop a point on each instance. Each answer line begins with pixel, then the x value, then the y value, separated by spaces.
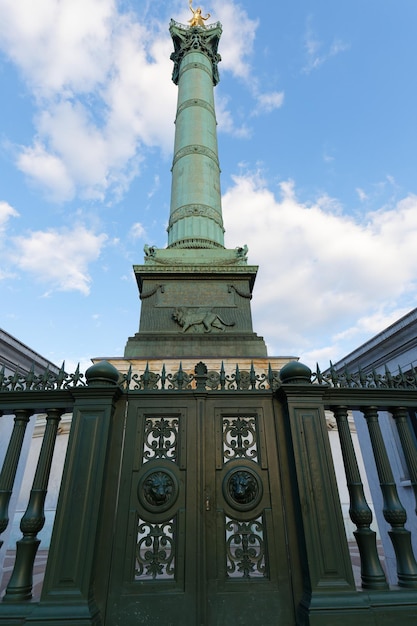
pixel 30 377
pixel 145 376
pixel 237 377
pixel 61 376
pixel 252 376
pixel 270 375
pixel 222 376
pixel 362 378
pixel 180 377
pixel 129 377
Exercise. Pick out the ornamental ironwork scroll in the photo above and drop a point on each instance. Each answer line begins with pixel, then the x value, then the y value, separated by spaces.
pixel 46 381
pixel 160 438
pixel 245 549
pixel 240 438
pixel 212 380
pixel 155 551
pixel 343 378
pixel 216 380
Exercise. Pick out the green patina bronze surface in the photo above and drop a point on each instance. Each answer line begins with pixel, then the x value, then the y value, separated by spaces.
pixel 195 215
pixel 195 293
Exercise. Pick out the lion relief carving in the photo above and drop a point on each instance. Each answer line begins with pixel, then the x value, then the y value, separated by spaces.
pixel 158 488
pixel 201 320
pixel 243 487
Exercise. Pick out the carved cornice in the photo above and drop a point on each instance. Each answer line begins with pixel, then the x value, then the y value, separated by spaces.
pixel 195 39
pixel 196 149
pixel 195 210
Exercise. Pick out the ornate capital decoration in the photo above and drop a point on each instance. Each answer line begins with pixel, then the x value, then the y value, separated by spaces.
pixel 195 38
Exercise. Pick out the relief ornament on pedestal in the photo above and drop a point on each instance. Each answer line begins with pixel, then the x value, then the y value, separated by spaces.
pixel 200 320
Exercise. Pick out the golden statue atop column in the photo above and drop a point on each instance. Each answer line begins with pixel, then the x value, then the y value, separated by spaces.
pixel 197 19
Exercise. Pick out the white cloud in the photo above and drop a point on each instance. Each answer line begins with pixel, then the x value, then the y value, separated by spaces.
pixel 59 258
pixel 226 120
pixel 372 324
pixel 320 269
pixel 267 102
pixel 46 170
pixel 327 157
pixel 236 45
pixel 315 54
pixel 155 187
pixel 100 82
pixel 6 212
pixel 137 231
pixel 59 46
pixel 362 329
pixel 361 194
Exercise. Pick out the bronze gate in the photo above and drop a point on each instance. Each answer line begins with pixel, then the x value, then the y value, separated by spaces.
pixel 200 531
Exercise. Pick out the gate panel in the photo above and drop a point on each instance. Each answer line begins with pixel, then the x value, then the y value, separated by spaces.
pixel 200 529
pixel 248 573
pixel 149 584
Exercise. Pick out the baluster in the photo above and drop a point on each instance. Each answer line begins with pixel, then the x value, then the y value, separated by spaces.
pixel 372 574
pixel 400 415
pixel 21 581
pixel 393 511
pixel 11 461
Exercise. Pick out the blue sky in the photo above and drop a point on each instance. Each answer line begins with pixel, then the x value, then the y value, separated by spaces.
pixel 316 110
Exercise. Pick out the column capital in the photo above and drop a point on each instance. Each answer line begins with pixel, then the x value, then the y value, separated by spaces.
pixel 203 39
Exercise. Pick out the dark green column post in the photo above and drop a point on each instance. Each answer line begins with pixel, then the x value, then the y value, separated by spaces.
pixel 21 581
pixel 400 415
pixel 68 590
pixel 11 461
pixel 393 510
pixel 372 574
pixel 328 570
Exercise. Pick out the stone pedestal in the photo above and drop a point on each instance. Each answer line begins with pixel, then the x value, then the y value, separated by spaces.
pixel 195 304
